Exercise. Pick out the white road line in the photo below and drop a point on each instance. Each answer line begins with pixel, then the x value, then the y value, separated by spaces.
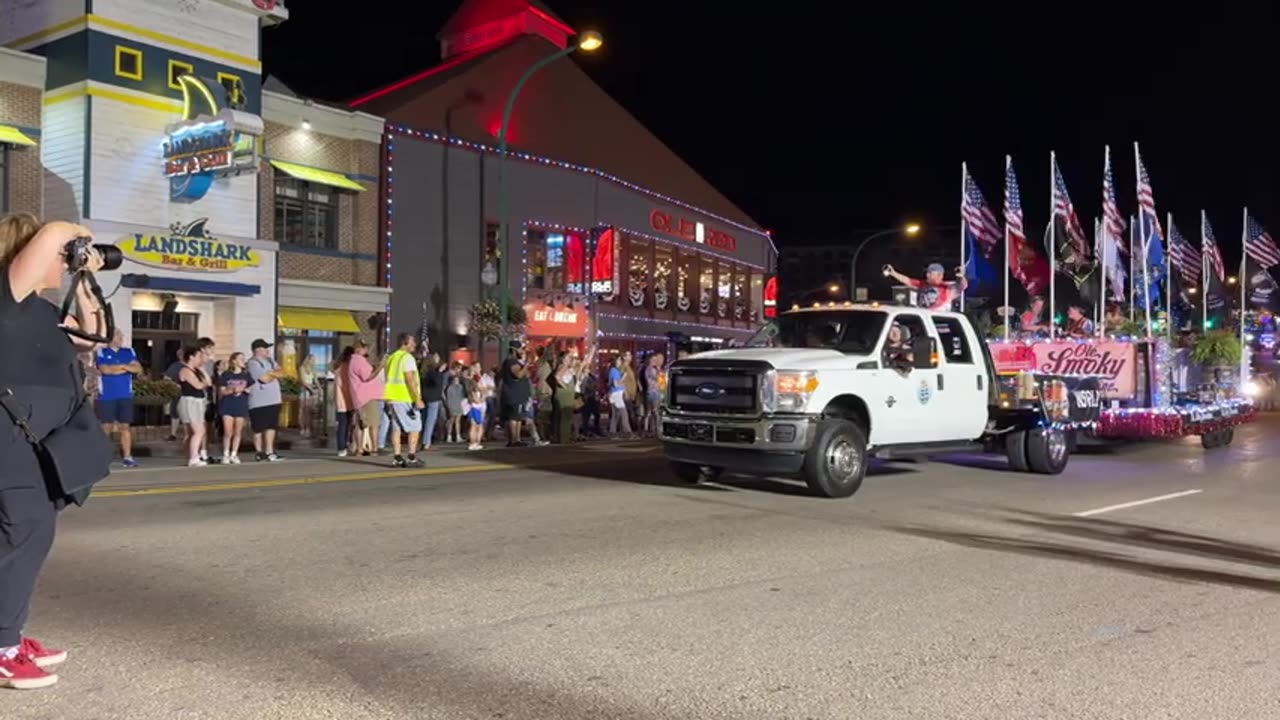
pixel 1135 503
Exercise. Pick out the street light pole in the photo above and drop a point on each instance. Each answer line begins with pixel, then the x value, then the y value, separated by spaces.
pixel 853 265
pixel 588 41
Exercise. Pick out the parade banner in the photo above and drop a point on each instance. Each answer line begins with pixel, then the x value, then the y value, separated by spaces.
pixel 1114 363
pixel 1071 398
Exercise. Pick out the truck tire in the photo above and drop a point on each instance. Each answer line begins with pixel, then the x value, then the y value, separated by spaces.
pixel 836 463
pixel 1218 438
pixel 1015 447
pixel 695 474
pixel 1048 451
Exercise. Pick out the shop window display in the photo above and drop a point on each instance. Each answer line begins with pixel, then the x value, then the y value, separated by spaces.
pixel 306 214
pixel 707 287
pixel 741 298
pixel 686 282
pixel 535 260
pixel 555 262
pixel 725 291
pixel 662 277
pixel 638 280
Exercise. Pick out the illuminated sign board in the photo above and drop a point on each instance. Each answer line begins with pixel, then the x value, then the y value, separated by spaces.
pixel 691 230
pixel 214 139
pixel 190 249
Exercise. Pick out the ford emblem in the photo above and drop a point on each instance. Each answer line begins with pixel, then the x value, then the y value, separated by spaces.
pixel 708 391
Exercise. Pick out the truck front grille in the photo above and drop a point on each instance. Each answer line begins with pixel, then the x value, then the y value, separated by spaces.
pixel 714 391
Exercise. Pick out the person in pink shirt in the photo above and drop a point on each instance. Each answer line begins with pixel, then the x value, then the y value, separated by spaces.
pixel 365 386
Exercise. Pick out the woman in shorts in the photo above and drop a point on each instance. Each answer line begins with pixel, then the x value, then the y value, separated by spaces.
pixel 233 405
pixel 191 403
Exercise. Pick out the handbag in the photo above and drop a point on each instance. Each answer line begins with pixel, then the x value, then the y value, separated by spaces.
pixel 74 456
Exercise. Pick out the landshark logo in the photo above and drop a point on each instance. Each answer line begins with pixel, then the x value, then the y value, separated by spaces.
pixel 190 248
pixel 214 139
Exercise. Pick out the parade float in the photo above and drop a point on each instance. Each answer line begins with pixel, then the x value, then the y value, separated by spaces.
pixel 1149 389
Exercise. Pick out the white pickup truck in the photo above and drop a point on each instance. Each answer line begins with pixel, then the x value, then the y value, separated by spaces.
pixel 820 390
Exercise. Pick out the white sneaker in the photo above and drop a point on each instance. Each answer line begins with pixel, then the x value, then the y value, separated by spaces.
pixel 235 459
pixel 226 460
pixel 197 463
pixel 475 446
pixel 342 453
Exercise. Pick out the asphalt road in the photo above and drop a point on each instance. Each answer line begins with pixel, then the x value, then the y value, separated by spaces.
pixel 579 584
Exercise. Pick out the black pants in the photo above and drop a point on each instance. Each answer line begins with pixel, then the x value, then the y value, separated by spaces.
pixel 27 522
pixel 344 429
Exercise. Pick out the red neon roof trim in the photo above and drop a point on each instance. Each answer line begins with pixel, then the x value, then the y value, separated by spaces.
pixel 551 19
pixel 450 63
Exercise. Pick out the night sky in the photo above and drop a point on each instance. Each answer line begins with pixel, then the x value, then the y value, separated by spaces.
pixel 821 125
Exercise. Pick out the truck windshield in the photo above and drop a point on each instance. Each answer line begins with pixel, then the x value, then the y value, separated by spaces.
pixel 847 331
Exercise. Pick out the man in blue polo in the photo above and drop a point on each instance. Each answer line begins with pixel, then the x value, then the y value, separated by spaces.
pixel 118 365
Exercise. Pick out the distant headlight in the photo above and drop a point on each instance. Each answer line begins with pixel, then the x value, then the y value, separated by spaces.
pixel 1250 389
pixel 788 391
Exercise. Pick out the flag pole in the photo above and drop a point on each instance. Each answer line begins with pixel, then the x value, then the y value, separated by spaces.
pixel 1242 282
pixel 964 183
pixel 1146 242
pixel 1204 274
pixel 1101 231
pixel 1100 246
pixel 1133 276
pixel 1053 245
pixel 1008 318
pixel 1168 278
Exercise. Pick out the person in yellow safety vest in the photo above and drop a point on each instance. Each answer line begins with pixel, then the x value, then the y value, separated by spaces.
pixel 403 399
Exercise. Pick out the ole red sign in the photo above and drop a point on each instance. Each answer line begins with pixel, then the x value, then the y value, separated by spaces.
pixel 1114 363
pixel 693 230
pixel 555 322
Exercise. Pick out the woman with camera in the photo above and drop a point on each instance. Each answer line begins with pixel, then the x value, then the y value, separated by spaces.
pixel 52 447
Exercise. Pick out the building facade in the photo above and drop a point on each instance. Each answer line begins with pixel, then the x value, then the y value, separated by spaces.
pixel 22 78
pixel 241 213
pixel 610 236
pixel 319 189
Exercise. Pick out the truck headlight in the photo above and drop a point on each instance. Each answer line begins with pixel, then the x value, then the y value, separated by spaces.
pixel 788 391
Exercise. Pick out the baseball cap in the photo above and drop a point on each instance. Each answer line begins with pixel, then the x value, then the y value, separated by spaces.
pixel 260 343
pixel 935 268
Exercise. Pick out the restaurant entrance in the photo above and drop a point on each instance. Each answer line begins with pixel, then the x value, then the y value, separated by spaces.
pixel 158 337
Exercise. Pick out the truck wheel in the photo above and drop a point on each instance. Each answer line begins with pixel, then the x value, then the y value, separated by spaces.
pixel 1218 438
pixel 1015 447
pixel 1228 435
pixel 836 463
pixel 694 474
pixel 1047 451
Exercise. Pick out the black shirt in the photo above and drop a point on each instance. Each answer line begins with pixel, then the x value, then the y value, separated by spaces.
pixel 515 390
pixel 36 352
pixel 433 384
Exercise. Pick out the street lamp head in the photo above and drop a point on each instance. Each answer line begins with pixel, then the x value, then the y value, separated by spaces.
pixel 590 41
pixel 833 288
pixel 912 228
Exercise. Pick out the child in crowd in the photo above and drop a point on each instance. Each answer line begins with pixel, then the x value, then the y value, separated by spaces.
pixel 475 408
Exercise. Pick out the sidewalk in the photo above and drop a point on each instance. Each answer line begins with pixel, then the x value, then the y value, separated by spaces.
pixel 317 465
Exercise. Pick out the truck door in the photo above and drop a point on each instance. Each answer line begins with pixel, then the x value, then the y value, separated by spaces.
pixel 911 412
pixel 963 393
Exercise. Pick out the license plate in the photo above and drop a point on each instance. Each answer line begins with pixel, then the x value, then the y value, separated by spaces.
pixel 701 432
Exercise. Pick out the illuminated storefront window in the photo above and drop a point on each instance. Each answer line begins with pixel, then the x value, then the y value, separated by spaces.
pixel 639 290
pixel 663 276
pixel 535 260
pixel 725 294
pixel 687 283
pixel 707 287
pixel 741 294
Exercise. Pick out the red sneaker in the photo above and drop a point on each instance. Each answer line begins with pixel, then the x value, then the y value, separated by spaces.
pixel 43 656
pixel 20 672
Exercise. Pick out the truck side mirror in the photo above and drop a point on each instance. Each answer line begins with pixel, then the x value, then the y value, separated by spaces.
pixel 924 353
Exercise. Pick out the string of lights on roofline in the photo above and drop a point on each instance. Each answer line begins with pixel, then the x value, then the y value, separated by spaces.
pixel 540 160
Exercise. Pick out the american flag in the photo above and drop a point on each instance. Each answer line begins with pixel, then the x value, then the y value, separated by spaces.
pixel 1013 207
pixel 1063 208
pixel 1212 253
pixel 978 217
pixel 1146 205
pixel 1184 256
pixel 1259 245
pixel 1111 218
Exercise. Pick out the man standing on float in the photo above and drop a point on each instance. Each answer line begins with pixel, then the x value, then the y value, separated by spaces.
pixel 933 292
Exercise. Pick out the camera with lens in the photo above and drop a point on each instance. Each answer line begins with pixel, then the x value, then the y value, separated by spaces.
pixel 77 254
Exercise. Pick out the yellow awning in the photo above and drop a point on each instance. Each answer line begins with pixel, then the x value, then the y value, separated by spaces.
pixel 14 136
pixel 315 319
pixel 315 175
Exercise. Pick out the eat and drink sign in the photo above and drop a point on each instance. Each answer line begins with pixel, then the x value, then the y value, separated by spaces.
pixel 693 230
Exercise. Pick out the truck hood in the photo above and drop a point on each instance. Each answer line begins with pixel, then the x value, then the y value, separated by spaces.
pixel 784 358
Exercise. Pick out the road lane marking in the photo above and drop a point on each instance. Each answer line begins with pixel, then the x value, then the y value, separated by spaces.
pixel 1136 503
pixel 387 474
pixel 286 482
